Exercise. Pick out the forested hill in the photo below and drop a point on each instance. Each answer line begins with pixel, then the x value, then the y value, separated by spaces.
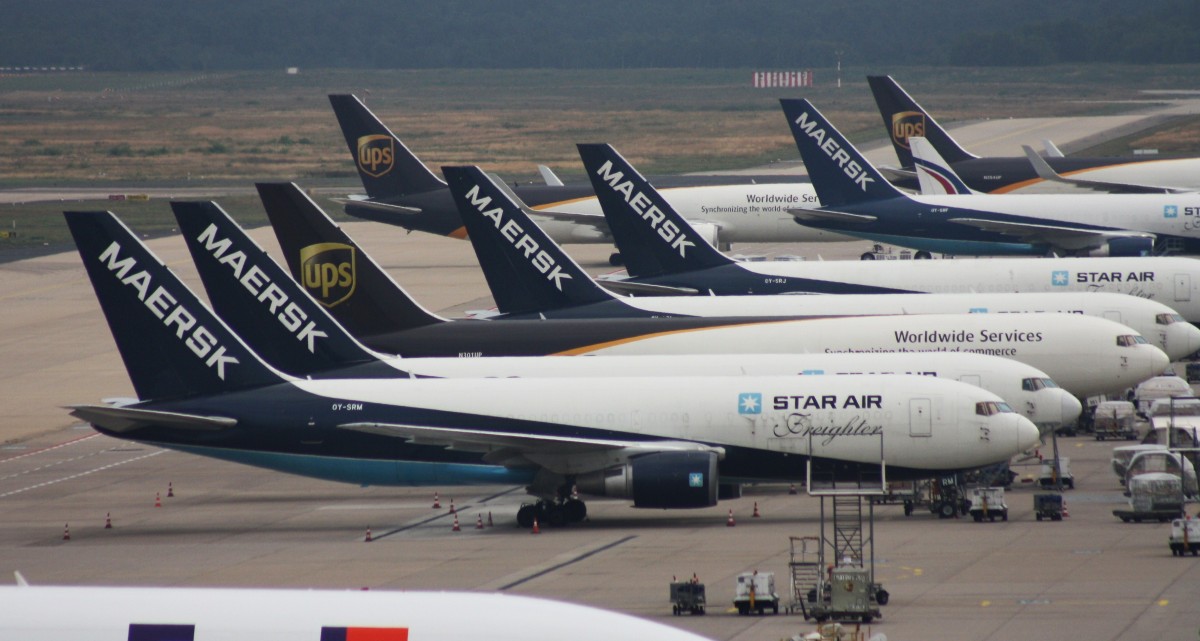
pixel 141 35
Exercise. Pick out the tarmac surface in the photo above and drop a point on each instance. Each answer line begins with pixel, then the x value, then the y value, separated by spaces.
pixel 1089 576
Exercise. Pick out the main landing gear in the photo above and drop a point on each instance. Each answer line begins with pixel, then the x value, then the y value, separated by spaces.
pixel 558 513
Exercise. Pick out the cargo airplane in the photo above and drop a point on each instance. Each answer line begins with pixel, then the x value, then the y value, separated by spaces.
pixel 685 262
pixel 531 276
pixel 295 334
pixel 857 200
pixel 1052 343
pixel 58 613
pixel 903 117
pixel 664 442
pixel 402 191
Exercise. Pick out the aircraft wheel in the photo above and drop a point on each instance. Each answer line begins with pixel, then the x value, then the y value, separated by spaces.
pixel 922 255
pixel 867 256
pixel 575 509
pixel 615 259
pixel 882 597
pixel 525 516
pixel 556 515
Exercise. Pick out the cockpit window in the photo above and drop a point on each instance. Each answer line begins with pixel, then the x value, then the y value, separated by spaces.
pixel 1049 382
pixel 1005 408
pixel 1032 384
pixel 987 408
pixel 1168 319
pixel 1129 340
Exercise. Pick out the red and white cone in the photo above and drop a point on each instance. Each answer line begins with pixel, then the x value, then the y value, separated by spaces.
pixel 158 499
pixel 455 527
pixel 756 514
pixel 437 502
pixel 367 538
pixel 536 529
pixel 792 489
pixel 478 521
pixel 730 522
pixel 489 519
pixel 66 532
pixel 170 490
pixel 108 520
pixel 1066 512
pixel 452 510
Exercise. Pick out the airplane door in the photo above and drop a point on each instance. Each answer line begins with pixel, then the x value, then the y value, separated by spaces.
pixel 1183 287
pixel 920 417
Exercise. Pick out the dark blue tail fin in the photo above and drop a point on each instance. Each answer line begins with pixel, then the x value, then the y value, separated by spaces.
pixel 903 117
pixel 652 237
pixel 840 174
pixel 173 346
pixel 260 300
pixel 334 271
pixel 387 168
pixel 526 270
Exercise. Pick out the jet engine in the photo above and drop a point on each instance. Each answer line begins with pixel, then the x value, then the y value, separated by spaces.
pixel 658 480
pixel 1125 246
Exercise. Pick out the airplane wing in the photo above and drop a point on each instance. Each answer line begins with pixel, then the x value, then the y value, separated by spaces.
pixel 378 206
pixel 826 215
pixel 595 220
pixel 127 419
pixel 644 289
pixel 897 173
pixel 1064 237
pixel 1046 172
pixel 546 450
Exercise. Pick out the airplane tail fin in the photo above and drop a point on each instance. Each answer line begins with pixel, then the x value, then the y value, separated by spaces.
pixel 934 174
pixel 172 345
pixel 260 301
pixel 385 165
pixel 652 237
pixel 840 174
pixel 525 269
pixel 903 117
pixel 334 270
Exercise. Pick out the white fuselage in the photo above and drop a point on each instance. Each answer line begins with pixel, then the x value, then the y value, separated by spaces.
pixel 209 614
pixel 1081 353
pixel 742 213
pixel 1017 383
pixel 1153 320
pixel 844 418
pixel 1172 281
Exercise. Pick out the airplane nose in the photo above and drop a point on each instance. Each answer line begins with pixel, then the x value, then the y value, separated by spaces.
pixel 1028 436
pixel 1071 408
pixel 1191 337
pixel 1155 361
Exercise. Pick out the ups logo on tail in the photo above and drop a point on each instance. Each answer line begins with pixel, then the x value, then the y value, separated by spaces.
pixel 905 124
pixel 327 272
pixel 375 154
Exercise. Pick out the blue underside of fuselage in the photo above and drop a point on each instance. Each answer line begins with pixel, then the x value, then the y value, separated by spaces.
pixel 367 471
pixel 945 246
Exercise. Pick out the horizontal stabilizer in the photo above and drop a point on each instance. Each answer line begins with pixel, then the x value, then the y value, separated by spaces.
pixel 897 173
pixel 644 289
pixel 128 419
pixel 1057 235
pixel 831 216
pixel 378 206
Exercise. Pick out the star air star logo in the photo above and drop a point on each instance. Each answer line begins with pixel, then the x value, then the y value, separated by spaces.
pixel 750 403
pixel 1170 211
pixel 1059 277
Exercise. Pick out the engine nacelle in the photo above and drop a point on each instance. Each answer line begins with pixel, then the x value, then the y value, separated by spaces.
pixel 1126 246
pixel 659 480
pixel 708 231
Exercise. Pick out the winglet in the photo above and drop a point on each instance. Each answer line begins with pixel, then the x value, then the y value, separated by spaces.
pixel 526 270
pixel 172 345
pixel 652 237
pixel 1041 167
pixel 334 269
pixel 21 582
pixel 387 168
pixel 549 177
pixel 840 174
pixel 903 117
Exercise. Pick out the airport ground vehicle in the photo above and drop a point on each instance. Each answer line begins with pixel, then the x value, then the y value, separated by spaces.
pixel 1192 372
pixel 1048 506
pixel 687 596
pixel 1185 536
pixel 988 503
pixel 1050 476
pixel 1115 420
pixel 755 592
pixel 847 595
pixel 1121 457
pixel 1159 387
pixel 1154 496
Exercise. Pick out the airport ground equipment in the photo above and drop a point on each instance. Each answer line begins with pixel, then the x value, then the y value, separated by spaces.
pixel 1115 420
pixel 1055 471
pixel 687 596
pixel 1123 455
pixel 1154 496
pixel 755 592
pixel 1192 372
pixel 1185 537
pixel 988 503
pixel 1048 506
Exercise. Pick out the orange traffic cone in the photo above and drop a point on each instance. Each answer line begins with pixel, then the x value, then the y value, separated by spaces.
pixel 170 490
pixel 66 532
pixel 536 529
pixel 792 489
pixel 108 520
pixel 157 499
pixel 1066 512
pixel 478 521
pixel 367 538
pixel 756 514
pixel 456 527
pixel 489 518
pixel 452 510
pixel 437 503
pixel 730 522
